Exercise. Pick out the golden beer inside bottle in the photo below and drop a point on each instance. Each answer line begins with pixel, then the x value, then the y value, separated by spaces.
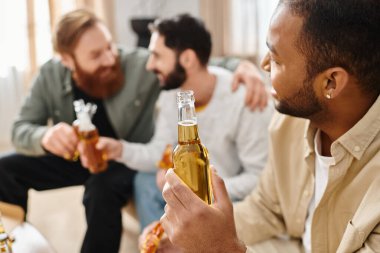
pixel 96 157
pixel 88 136
pixel 191 161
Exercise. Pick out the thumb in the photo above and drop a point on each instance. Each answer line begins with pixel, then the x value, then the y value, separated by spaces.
pixel 221 198
pixel 80 147
pixel 101 144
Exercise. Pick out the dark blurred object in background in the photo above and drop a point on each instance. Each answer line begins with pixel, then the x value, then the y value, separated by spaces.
pixel 140 27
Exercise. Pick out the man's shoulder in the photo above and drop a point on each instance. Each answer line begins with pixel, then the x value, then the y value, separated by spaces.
pixel 54 64
pixel 139 53
pixel 223 88
pixel 219 71
pixel 52 73
pixel 133 63
pixel 224 78
pixel 168 98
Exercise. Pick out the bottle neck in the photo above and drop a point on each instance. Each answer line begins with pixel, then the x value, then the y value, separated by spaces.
pixel 85 124
pixel 187 124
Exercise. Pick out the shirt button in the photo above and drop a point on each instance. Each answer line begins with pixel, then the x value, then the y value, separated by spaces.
pixel 306 193
pixel 357 148
pixel 137 102
pixel 299 221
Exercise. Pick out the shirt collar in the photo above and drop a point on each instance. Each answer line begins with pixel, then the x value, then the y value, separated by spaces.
pixel 309 135
pixel 359 137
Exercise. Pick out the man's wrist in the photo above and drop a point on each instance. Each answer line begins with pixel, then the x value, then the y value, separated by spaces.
pixel 121 149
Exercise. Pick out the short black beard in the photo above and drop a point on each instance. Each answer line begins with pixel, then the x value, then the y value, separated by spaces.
pixel 175 78
pixel 304 104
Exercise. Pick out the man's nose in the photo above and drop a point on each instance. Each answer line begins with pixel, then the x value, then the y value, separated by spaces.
pixel 150 64
pixel 108 59
pixel 265 63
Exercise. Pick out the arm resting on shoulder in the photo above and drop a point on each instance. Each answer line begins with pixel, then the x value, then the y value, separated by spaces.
pixel 246 73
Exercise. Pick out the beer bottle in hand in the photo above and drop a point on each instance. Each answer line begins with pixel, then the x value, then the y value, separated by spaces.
pixel 190 157
pixel 88 134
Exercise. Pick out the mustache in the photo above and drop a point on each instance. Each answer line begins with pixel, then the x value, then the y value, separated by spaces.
pixel 174 79
pixel 102 69
pixel 157 72
pixel 98 86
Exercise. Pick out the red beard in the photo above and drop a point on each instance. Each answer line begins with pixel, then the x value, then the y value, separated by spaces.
pixel 95 84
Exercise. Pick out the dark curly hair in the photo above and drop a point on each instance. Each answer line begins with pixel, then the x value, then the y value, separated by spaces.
pixel 185 32
pixel 344 33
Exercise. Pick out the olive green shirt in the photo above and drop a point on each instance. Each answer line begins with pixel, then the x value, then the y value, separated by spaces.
pixel 130 111
pixel 348 216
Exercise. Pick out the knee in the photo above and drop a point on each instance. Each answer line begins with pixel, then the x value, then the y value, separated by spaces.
pixel 6 164
pixel 4 161
pixel 98 185
pixel 98 180
pixel 114 185
pixel 2 167
pixel 98 189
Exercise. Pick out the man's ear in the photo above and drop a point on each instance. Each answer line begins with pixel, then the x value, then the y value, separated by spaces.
pixel 68 61
pixel 335 80
pixel 188 58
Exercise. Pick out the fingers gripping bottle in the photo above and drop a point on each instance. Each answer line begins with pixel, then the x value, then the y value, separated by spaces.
pixel 190 157
pixel 88 134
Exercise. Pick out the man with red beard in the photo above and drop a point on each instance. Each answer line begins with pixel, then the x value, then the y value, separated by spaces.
pixel 93 69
